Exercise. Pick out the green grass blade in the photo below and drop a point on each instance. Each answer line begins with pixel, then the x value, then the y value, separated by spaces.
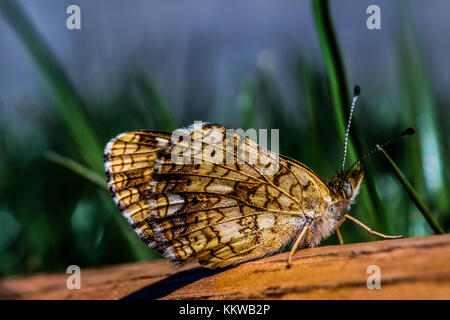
pixel 89 174
pixel 333 65
pixel 413 195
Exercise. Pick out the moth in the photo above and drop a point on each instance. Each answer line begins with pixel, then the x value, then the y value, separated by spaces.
pixel 223 213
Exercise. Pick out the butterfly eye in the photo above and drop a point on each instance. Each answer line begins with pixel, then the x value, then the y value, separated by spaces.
pixel 348 191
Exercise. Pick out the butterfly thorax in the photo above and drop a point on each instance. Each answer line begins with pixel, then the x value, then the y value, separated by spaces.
pixel 344 187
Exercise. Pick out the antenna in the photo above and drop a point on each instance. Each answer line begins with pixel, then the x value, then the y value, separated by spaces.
pixel 356 92
pixel 406 133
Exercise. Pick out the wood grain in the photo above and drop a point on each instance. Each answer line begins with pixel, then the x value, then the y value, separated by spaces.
pixel 413 268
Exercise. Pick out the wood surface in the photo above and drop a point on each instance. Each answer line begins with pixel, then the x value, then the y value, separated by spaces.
pixel 413 268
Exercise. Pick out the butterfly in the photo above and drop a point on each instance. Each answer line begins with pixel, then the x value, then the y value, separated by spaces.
pixel 222 213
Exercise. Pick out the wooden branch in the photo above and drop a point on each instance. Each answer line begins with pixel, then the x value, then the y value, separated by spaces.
pixel 413 268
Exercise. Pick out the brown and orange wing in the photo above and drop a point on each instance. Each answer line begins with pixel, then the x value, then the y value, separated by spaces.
pixel 204 210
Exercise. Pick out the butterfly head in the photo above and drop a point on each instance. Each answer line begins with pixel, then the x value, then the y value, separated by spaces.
pixel 345 185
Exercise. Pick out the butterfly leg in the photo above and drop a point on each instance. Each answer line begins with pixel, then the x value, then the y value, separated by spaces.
pixel 339 235
pixel 338 232
pixel 305 232
pixel 362 225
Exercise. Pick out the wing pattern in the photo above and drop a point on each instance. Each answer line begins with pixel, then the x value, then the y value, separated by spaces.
pixel 219 206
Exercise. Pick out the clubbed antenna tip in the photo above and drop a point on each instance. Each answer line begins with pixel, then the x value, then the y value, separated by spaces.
pixel 356 92
pixel 408 132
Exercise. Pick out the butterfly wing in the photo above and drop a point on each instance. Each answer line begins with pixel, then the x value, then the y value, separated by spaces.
pixel 204 209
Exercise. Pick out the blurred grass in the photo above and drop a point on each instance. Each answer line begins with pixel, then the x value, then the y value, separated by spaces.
pixel 50 216
pixel 71 109
pixel 65 98
pixel 428 168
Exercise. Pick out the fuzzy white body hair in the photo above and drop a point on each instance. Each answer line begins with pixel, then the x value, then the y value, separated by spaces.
pixel 324 224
